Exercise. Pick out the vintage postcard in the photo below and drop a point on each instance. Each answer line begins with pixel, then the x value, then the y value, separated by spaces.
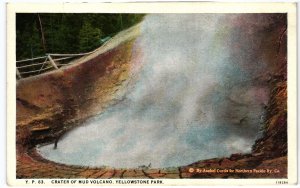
pixel 151 94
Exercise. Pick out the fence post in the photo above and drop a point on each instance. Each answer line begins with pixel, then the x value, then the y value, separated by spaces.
pixel 18 74
pixel 52 62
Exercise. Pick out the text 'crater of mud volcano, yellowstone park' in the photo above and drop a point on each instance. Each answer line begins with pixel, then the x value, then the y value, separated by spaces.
pixel 201 93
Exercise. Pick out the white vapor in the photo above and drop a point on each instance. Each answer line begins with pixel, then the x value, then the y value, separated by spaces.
pixel 196 98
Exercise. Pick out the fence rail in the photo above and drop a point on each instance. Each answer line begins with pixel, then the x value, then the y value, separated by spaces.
pixel 24 60
pixel 31 67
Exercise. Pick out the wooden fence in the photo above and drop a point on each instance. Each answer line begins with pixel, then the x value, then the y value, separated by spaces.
pixel 38 65
pixel 34 66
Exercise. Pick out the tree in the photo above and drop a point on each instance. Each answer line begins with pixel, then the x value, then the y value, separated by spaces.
pixel 89 37
pixel 42 33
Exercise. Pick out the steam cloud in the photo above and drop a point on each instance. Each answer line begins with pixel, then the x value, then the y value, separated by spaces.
pixel 197 97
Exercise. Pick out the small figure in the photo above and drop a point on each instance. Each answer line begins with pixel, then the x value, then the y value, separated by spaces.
pixel 55 143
